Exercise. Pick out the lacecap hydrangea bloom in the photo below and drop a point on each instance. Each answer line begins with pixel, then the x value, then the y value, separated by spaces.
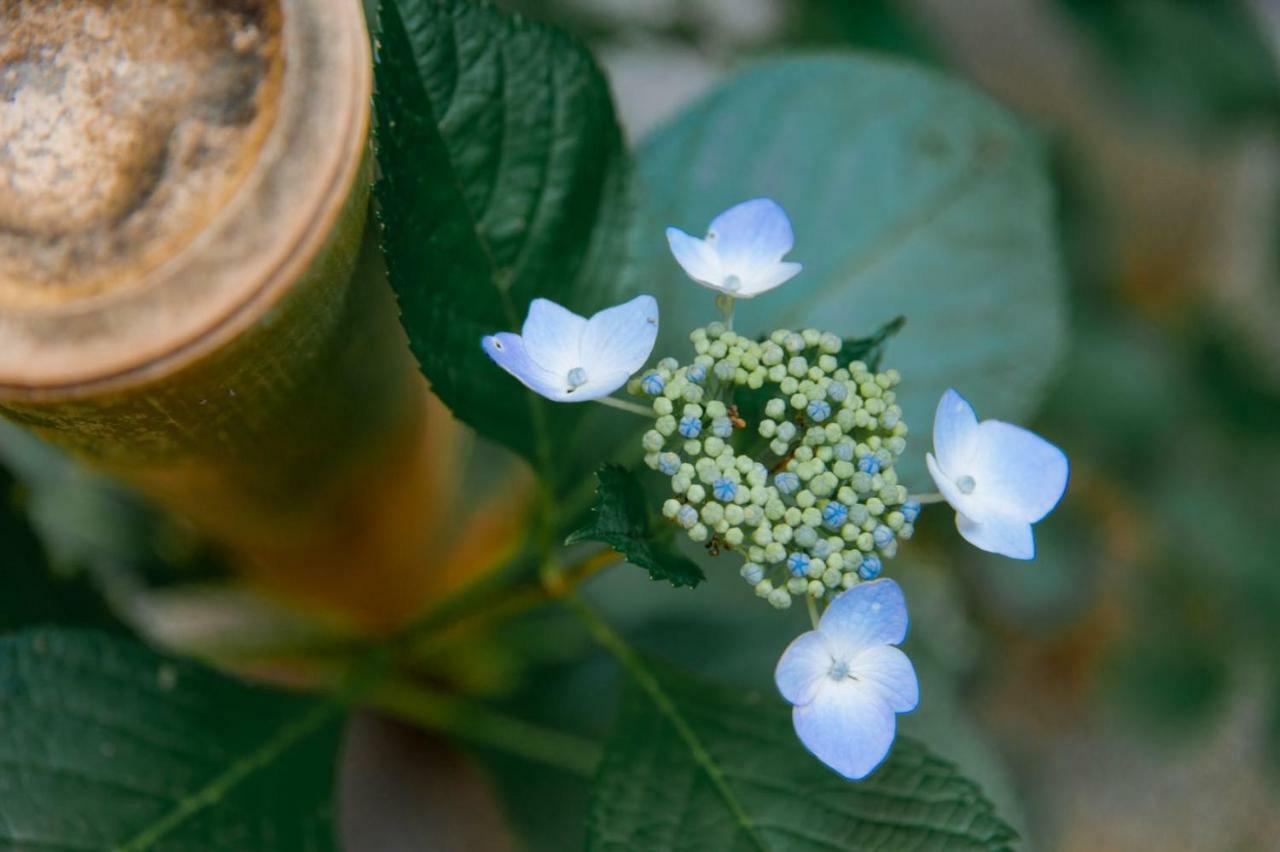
pixel 999 478
pixel 568 358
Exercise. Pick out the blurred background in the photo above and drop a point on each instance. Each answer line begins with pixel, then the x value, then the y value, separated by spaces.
pixel 1120 692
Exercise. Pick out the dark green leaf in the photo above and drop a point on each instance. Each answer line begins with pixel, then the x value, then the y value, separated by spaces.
pixel 621 520
pixel 870 350
pixel 768 793
pixel 105 744
pixel 911 195
pixel 503 178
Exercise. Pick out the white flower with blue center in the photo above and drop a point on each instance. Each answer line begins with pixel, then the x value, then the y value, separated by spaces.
pixel 568 358
pixel 999 478
pixel 847 680
pixel 741 255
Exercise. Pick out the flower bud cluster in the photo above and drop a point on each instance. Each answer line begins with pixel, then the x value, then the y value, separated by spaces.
pixel 807 494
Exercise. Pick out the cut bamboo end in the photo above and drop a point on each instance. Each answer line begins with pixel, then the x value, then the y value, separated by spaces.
pixel 170 168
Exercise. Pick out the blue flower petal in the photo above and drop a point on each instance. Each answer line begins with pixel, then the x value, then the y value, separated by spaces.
pixel 803 668
pixel 871 613
pixel 848 726
pixel 752 235
pixel 1028 474
pixel 1005 536
pixel 508 351
pixel 955 431
pixel 892 674
pixel 551 336
pixel 698 259
pixel 619 340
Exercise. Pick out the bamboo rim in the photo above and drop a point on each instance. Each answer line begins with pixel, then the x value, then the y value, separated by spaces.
pixel 237 268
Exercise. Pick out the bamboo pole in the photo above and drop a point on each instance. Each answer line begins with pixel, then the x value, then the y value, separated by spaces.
pixel 187 297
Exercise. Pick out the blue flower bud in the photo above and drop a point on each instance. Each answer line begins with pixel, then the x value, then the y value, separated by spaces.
pixel 687 516
pixel 837 392
pixel 911 511
pixel 844 451
pixel 696 374
pixel 883 536
pixel 652 384
pixel 869 465
pixel 870 567
pixel 669 464
pixel 797 564
pixel 690 427
pixel 787 482
pixel 722 427
pixel 724 489
pixel 751 572
pixel 834 514
pixel 819 410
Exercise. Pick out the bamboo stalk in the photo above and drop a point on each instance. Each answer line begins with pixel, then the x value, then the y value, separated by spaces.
pixel 230 347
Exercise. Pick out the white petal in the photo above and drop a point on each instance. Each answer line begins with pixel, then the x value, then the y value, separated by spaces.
pixel 804 667
pixel 974 505
pixel 849 728
pixel 620 339
pixel 771 277
pixel 509 351
pixel 599 384
pixel 869 614
pixel 889 671
pixel 699 260
pixel 1003 535
pixel 751 238
pixel 955 432
pixel 552 337
pixel 1023 472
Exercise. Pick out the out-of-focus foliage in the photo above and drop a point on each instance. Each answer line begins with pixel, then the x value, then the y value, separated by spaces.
pixel 108 745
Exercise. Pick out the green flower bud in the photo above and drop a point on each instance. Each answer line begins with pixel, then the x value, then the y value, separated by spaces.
pixel 665 425
pixel 669 508
pixel 850 579
pixel 652 441
pixel 764 588
pixel 805 499
pixel 831 578
pixel 774 553
pixel 798 586
pixel 780 598
pixel 692 447
pixel 662 405
pixel 699 533
pixel 816 589
pixel 866 543
pixel 782 533
pixel 733 536
pixel 712 513
pixel 695 493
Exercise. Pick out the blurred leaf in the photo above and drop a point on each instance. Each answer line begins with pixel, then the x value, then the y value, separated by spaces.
pixel 503 178
pixel 106 744
pixel 1197 62
pixel 767 792
pixel 910 195
pixel 869 350
pixel 621 520
pixel 31 592
pixel 880 25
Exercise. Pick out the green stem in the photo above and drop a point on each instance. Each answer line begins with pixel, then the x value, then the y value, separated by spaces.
pixel 926 499
pixel 631 407
pixel 478 725
pixel 813 610
pixel 725 303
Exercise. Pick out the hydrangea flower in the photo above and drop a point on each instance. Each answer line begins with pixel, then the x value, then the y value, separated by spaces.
pixel 568 358
pixel 742 253
pixel 999 478
pixel 847 681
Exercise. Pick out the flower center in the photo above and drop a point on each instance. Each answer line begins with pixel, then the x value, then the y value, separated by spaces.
pixel 732 283
pixel 966 484
pixel 577 378
pixel 839 670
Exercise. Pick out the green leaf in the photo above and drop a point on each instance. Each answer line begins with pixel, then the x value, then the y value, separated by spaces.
pixel 911 195
pixel 736 778
pixel 105 744
pixel 503 178
pixel 621 520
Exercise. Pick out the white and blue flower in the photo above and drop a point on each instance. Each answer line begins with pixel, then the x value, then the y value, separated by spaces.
pixel 999 478
pixel 848 682
pixel 741 255
pixel 568 358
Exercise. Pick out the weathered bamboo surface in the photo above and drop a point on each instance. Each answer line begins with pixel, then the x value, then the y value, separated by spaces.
pixel 187 297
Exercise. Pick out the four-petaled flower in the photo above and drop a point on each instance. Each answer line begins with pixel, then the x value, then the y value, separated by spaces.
pixel 742 253
pixel 999 478
pixel 569 358
pixel 848 681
